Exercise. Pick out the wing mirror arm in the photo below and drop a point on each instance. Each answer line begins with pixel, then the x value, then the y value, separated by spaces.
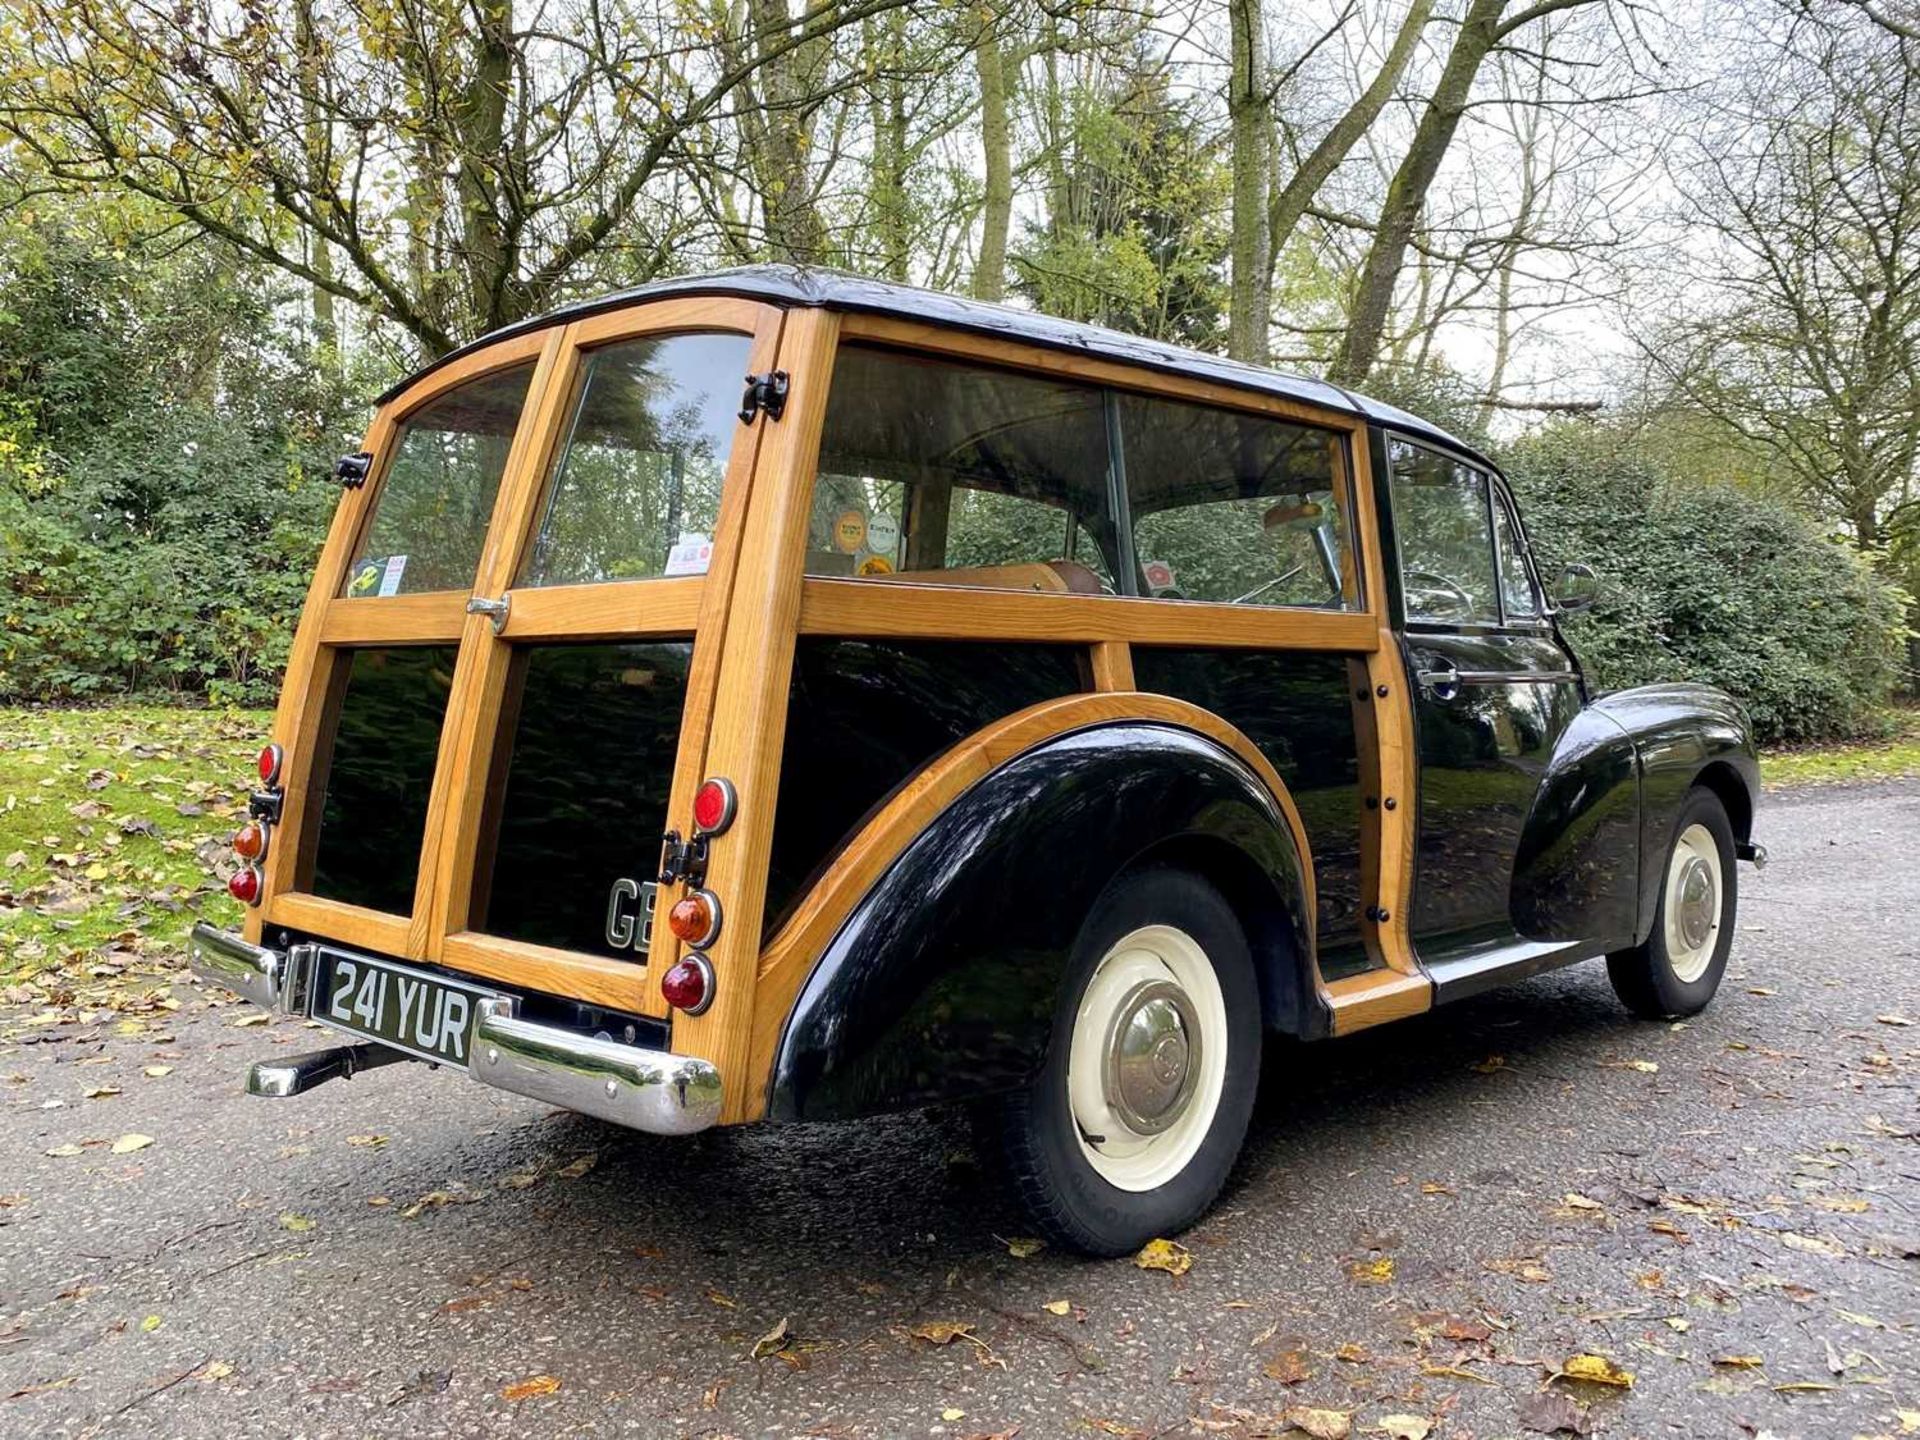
pixel 1577 588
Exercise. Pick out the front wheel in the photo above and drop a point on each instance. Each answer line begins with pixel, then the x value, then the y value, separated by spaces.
pixel 1138 1114
pixel 1678 969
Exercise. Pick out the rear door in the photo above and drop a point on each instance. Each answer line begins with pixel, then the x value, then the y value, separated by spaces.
pixel 1493 690
pixel 505 676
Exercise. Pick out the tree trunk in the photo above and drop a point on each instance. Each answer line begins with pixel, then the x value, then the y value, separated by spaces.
pixel 996 144
pixel 1479 31
pixel 326 332
pixel 893 225
pixel 794 229
pixel 1289 204
pixel 479 114
pixel 1250 121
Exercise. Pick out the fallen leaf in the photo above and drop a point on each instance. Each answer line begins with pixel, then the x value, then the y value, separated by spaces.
pixel 1816 1244
pixel 1289 1367
pixel 258 1017
pixel 102 1092
pixel 1553 1412
pixel 1353 1354
pixel 943 1332
pixel 579 1167
pixel 723 1300
pixel 1841 1204
pixel 532 1386
pixel 1405 1427
pixel 1899 1020
pixel 1166 1255
pixel 214 1370
pixel 1909 1421
pixel 950 1414
pixel 773 1341
pixel 1058 1307
pixel 1573 1200
pixel 519 1179
pixel 130 1142
pixel 155 1072
pixel 298 1224
pixel 367 1142
pixel 1794 1385
pixel 1597 1369
pixel 1320 1424
pixel 1491 1065
pixel 1375 1271
pixel 1739 1362
pixel 151 1324
pixel 1854 1317
pixel 1454 1372
pixel 1760 990
pixel 1022 1247
pixel 62 1152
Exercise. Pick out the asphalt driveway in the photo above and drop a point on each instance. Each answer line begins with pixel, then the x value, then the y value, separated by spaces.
pixel 1433 1222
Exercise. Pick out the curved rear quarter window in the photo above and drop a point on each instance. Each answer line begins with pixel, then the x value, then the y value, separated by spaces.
pixel 436 497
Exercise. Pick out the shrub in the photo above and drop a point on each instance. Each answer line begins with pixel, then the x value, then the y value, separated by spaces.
pixel 1703 581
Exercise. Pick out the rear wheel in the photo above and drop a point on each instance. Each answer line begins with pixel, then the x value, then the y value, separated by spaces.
pixel 1142 1105
pixel 1678 969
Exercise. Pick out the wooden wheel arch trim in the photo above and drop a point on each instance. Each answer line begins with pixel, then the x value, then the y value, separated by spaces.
pixel 789 956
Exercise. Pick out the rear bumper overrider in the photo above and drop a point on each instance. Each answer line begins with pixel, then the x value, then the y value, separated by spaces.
pixel 651 1090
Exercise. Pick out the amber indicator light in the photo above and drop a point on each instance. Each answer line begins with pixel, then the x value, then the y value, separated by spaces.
pixel 250 841
pixel 695 918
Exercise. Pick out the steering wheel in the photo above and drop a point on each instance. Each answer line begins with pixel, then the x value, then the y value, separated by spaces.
pixel 1451 588
pixel 1261 589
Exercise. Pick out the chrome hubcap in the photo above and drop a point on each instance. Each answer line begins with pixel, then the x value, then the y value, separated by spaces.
pixel 1152 1057
pixel 1699 904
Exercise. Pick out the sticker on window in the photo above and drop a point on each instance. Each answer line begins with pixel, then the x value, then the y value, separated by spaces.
pixel 883 534
pixel 691 556
pixel 1158 574
pixel 390 577
pixel 849 532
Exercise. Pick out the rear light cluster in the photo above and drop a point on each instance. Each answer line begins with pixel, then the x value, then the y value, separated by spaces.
pixel 251 839
pixel 695 917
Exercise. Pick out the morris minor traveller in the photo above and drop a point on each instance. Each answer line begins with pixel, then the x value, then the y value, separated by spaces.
pixel 775 696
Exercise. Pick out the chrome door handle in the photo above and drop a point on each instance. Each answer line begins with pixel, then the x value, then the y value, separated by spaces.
pixel 1442 681
pixel 494 610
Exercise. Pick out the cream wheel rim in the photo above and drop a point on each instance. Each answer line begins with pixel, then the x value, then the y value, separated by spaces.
pixel 1148 1058
pixel 1693 903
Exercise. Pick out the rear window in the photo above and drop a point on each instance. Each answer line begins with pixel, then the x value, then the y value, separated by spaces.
pixel 374 813
pixel 435 501
pixel 636 492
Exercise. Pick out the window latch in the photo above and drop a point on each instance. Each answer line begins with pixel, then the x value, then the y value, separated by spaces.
pixel 494 610
pixel 766 392
pixel 351 470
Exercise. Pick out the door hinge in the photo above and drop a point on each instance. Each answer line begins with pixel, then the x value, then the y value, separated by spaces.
pixel 683 859
pixel 351 470
pixel 766 392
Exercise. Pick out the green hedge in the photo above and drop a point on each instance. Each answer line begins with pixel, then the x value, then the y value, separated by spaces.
pixel 1709 582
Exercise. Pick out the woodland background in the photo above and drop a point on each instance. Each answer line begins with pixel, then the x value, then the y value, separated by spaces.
pixel 1660 260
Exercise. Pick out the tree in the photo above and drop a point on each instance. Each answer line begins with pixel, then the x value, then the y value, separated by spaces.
pixel 451 166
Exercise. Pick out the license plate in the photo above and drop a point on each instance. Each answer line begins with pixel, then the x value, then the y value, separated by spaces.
pixel 422 1014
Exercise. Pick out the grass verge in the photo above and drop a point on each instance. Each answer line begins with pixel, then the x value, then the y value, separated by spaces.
pixel 1889 757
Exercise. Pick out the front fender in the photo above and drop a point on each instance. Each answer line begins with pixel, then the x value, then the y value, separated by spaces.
pixel 941 984
pixel 1685 735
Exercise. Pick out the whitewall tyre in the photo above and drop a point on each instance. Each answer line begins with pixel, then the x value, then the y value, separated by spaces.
pixel 1678 969
pixel 1140 1109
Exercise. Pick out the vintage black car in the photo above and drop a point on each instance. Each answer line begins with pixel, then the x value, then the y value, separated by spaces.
pixel 780 696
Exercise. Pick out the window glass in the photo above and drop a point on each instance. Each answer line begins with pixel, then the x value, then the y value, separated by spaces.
pixel 636 492
pixel 1446 547
pixel 430 517
pixel 961 474
pixel 1233 507
pixel 1516 586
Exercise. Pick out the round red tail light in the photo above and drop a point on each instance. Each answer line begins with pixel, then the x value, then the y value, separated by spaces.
pixel 250 841
pixel 244 885
pixel 270 759
pixel 713 806
pixel 688 986
pixel 695 918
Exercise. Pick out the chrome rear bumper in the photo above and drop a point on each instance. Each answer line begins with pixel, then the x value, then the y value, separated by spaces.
pixel 651 1090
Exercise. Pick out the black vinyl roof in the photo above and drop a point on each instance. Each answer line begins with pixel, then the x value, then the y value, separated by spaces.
pixel 791 285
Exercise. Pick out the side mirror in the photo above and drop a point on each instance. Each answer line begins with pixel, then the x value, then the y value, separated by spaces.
pixel 1578 588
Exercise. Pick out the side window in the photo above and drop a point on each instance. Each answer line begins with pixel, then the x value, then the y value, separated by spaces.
pixel 1517 594
pixel 1235 508
pixel 961 474
pixel 636 490
pixel 1444 532
pixel 430 517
